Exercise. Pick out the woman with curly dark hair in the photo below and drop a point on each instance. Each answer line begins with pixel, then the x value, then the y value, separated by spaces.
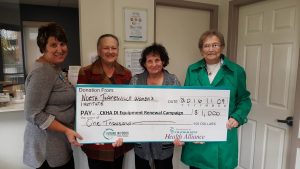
pixel 154 60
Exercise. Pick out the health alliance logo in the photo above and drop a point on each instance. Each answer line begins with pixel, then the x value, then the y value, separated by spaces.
pixel 183 133
pixel 109 133
pixel 172 130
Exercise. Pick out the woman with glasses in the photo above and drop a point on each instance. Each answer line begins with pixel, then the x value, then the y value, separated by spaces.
pixel 216 70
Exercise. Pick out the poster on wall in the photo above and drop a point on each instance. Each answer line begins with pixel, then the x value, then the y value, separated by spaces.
pixel 73 74
pixel 135 24
pixel 132 60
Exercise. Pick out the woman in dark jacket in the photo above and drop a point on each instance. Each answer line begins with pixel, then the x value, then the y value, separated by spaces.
pixel 105 70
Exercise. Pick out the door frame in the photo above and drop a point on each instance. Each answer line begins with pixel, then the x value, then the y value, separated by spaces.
pixel 295 141
pixel 233 19
pixel 213 10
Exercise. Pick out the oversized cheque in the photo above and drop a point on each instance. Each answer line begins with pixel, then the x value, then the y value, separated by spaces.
pixel 150 113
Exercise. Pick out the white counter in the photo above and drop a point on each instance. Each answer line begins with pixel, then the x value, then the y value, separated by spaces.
pixel 12 107
pixel 12 125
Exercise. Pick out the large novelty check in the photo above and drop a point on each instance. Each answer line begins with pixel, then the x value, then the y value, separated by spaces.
pixel 150 113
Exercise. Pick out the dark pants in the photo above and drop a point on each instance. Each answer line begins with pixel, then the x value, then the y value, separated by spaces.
pixel 100 164
pixel 69 165
pixel 159 164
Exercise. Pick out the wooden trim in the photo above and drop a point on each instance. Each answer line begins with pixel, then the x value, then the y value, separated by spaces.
pixel 295 142
pixel 154 34
pixel 213 9
pixel 233 20
pixel 1 65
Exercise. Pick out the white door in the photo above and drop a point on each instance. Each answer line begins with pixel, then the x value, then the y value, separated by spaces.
pixel 180 37
pixel 268 49
pixel 31 50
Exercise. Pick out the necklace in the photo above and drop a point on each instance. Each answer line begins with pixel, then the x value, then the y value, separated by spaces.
pixel 212 68
pixel 63 77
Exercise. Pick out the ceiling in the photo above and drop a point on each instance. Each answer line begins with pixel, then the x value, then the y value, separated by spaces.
pixel 56 3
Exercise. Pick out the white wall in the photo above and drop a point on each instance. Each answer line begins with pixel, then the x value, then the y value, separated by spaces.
pixel 109 19
pixel 31 50
pixel 119 23
pixel 95 18
pixel 222 15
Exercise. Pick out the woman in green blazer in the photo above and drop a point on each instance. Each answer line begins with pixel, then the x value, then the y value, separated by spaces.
pixel 216 70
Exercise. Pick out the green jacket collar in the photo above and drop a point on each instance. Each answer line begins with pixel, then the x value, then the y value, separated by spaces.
pixel 200 66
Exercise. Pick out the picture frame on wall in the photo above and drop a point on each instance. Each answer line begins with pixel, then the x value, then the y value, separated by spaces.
pixel 132 60
pixel 135 22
